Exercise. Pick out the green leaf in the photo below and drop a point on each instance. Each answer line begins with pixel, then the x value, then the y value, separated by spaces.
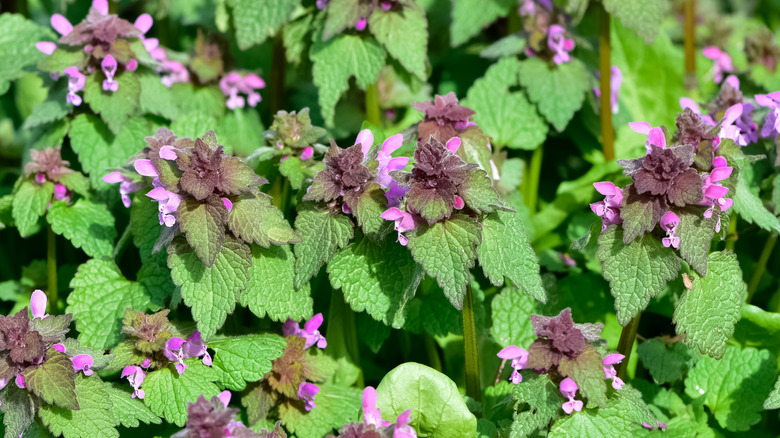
pixel 168 392
pixel 62 58
pixel 292 169
pixel 257 20
pixel 28 204
pixel 204 226
pixel 404 34
pixel 145 225
pixel 127 411
pixel 469 17
pixel 380 279
pixel 242 130
pixel 541 402
pixel 666 361
pixel 87 225
pixel 358 57
pixel 370 206
pixel 53 108
pixel 245 359
pixel 773 400
pixel 294 38
pixel 211 292
pixel 508 117
pixel 322 234
pixel 557 91
pixel 99 150
pixel 271 291
pixel 92 420
pixel 507 46
pixel 156 98
pixel 438 410
pixel 155 278
pixel 432 312
pixel 117 106
pixel 53 381
pixel 336 406
pixel 18 407
pixel 588 371
pixel 758 328
pixel 98 302
pixel 734 387
pixel 479 194
pixel 511 325
pixel 209 102
pixel 447 250
pixel 506 251
pixel 695 232
pixel 18 36
pixel 623 416
pixel 636 272
pixel 254 219
pixel 706 315
pixel 372 332
pixel 644 18
pixel 749 205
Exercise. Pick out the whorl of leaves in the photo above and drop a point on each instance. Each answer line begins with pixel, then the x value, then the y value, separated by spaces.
pixel 559 337
pixel 49 162
pixel 344 176
pixel 692 130
pixel 151 332
pixel 293 129
pixel 444 118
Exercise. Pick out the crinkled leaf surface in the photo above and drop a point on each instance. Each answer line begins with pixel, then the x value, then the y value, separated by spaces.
pixel 92 420
pixel 245 359
pixel 695 232
pixel 404 34
pixel 558 91
pixel 18 407
pixel 53 108
pixel 469 17
pixel 539 401
pixel 168 392
pixel 666 361
pixel 336 405
pixel 204 225
pixel 511 325
pixel 114 107
pixel 257 20
pixel 773 400
pixel 127 411
pixel 644 17
pixel 87 225
pixel 18 36
pixel 322 234
pixel 588 371
pixel 271 291
pixel 54 381
pixel 156 98
pixel 254 219
pixel 749 205
pixel 29 203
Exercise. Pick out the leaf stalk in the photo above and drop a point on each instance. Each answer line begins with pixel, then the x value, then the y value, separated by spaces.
pixel 470 346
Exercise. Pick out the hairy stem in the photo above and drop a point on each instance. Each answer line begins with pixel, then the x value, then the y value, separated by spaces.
pixel 51 267
pixel 342 334
pixel 278 70
pixel 373 113
pixel 690 44
pixel 761 266
pixel 285 194
pixel 500 371
pixel 121 243
pixel 731 234
pixel 470 346
pixel 533 173
pixel 626 343
pixel 605 72
pixel 433 353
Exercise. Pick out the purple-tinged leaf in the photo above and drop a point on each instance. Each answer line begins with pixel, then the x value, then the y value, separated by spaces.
pixel 54 381
pixel 204 226
pixel 254 219
pixel 587 370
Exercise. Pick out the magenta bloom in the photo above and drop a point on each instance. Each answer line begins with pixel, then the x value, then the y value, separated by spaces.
pixel 76 82
pixel 728 128
pixel 686 102
pixel 387 163
pixel 195 347
pixel 612 359
pixel 38 302
pixel 306 392
pixel 61 193
pixel 772 122
pixel 615 81
pixel 609 208
pixel 174 351
pixel 126 186
pixel 109 69
pixel 310 331
pixel 371 414
pixel 307 153
pixel 20 381
pixel 173 72
pixel 559 44
pixel 669 222
pixel 569 389
pixel 655 136
pixel 168 203
pixel 722 61
pixel 519 358
pixel 233 83
pixel 402 427
pixel 83 362
pixel 714 192
pixel 403 222
pixel 361 24
pixel 135 375
pixel 58 347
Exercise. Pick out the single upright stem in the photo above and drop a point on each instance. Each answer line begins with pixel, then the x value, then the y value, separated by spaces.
pixel 532 183
pixel 285 194
pixel 342 334
pixel 605 72
pixel 51 267
pixel 470 346
pixel 278 68
pixel 731 234
pixel 761 266
pixel 626 343
pixel 122 243
pixel 433 354
pixel 373 113
pixel 690 44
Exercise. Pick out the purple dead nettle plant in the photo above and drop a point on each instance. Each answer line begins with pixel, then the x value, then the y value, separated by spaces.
pixel 373 425
pixel 233 84
pixel 561 347
pixel 292 135
pixel 213 418
pixel 615 81
pixel 47 166
pixel 722 63
pixel 364 9
pixel 545 29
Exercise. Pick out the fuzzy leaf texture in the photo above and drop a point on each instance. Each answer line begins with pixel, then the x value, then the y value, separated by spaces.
pixel 644 18
pixel 204 226
pixel 636 272
pixel 92 420
pixel 506 251
pixel 447 251
pixel 87 225
pixel 404 34
pixel 322 234
pixel 735 386
pixel 257 20
pixel 469 17
pixel 168 392
pixel 557 92
pixel 539 402
pixel 29 203
pixel 587 370
pixel 695 232
pixel 245 359
pixel 336 405
pixel 211 292
pixel 17 42
pixel 706 315
pixel 270 290
pixel 115 108
pixel 98 302
pixel 773 400
pixel 666 361
pixel 53 381
pixel 18 407
pixel 749 205
pixel 380 279
pixel 510 310
pixel 254 219
pixel 127 411
pixel 53 108
pixel 508 117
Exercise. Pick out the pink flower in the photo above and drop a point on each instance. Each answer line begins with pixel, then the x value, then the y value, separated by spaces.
pixel 615 81
pixel 46 47
pixel 569 389
pixel 135 375
pixel 20 381
pixel 83 362
pixel 609 366
pixel 402 427
pixel 609 208
pixel 519 358
pixel 233 83
pixel 309 332
pixel 714 192
pixel 772 122
pixel 360 24
pixel 728 128
pixel 168 203
pixel 403 222
pixel 109 69
pixel 126 186
pixel 195 347
pixel 174 351
pixel 567 260
pixel 307 153
pixel 557 42
pixel 669 222
pixel 38 302
pixel 61 193
pixel 76 82
pixel 225 397
pixel 61 24
pixel 371 414
pixel 387 163
pixel 306 392
pixel 686 102
pixel 655 136
pixel 58 347
pixel 722 61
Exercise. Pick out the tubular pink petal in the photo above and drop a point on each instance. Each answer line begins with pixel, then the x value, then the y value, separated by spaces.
pixel 132 65
pixel 640 127
pixel 307 153
pixel 38 302
pixel 775 95
pixel 404 418
pixel 224 397
pixel 82 362
pixel 568 386
pixel 46 47
pixel 606 188
pixel 58 347
pixel 656 137
pixel 453 144
pixel 369 398
pixel 168 153
pixel 711 52
pixel 510 352
pixel 686 102
pixel 459 204
pixel 254 81
pixel 764 100
pixel 720 173
pixel 392 214
pixel 733 81
pixel 151 44
pixel 101 6
pixel 725 203
pixel 614 358
pixel 733 114
pixel 392 144
pixel 143 23
pixel 227 203
pixel 114 177
pixel 715 192
pixel 145 168
pixel 668 220
pixel 719 162
pixel 158 194
pixel 314 323
pixel 397 163
pixel 61 24
pixel 366 139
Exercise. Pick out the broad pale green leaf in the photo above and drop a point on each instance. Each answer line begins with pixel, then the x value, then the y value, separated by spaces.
pixel 53 108
pixel 145 225
pixel 644 17
pixel 773 400
pixel 254 219
pixel 270 290
pixel 507 117
pixel 438 410
pixel 404 34
pixel 156 98
pixel 242 131
pixel 257 20
pixel 294 36
pixel 204 226
pixel 506 251
pixel 749 205
pixel 194 101
pixel 245 359
pixel 211 292
pixel 53 381
pixel 695 232
pixel 114 107
pixel 507 46
pixel 322 234
pixel 380 279
pixel 127 411
pixel 358 57
pixel 98 302
pixel 29 203
pixel 430 311
pixel 370 206
pixel 92 420
pixel 167 392
pixel 511 325
pixel 706 315
pixel 666 361
pixel 18 407
pixel 62 58
pixel 87 225
pixel 558 91
pixel 636 272
pixel 292 169
pixel 540 402
pixel 469 17
pixel 758 328
pixel 336 406
pixel 155 278
pixel 734 387
pixel 99 149
pixel 447 251
pixel 588 371
pixel 18 36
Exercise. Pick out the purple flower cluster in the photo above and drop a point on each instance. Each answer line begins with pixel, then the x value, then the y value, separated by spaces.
pixel 310 331
pixel 615 82
pixel 373 416
pixel 233 84
pixel 545 26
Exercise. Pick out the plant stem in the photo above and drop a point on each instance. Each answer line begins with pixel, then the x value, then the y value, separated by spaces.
pixel 51 267
pixel 470 346
pixel 433 353
pixel 500 371
pixel 532 183
pixel 690 44
pixel 373 114
pixel 626 343
pixel 121 243
pixel 278 67
pixel 284 195
pixel 342 334
pixel 761 266
pixel 605 72
pixel 731 234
